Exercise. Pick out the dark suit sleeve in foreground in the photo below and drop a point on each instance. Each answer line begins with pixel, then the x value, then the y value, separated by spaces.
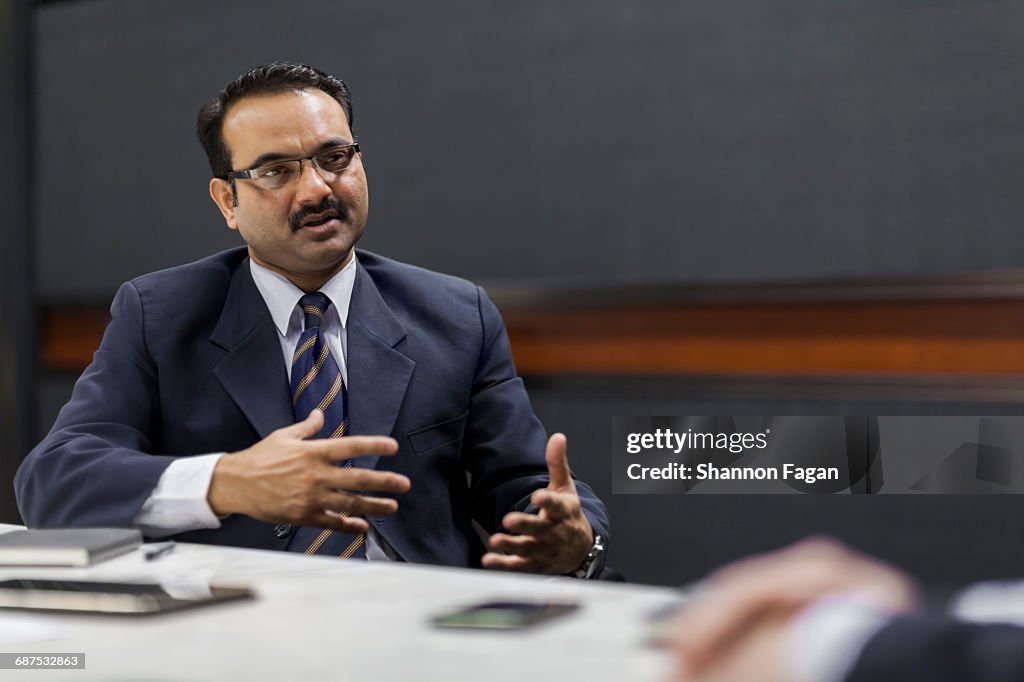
pixel 505 438
pixel 93 468
pixel 911 650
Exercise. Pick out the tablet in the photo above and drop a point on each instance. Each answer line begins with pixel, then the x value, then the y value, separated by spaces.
pixel 137 599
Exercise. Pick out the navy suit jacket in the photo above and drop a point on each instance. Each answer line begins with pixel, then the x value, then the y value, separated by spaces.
pixel 922 650
pixel 191 363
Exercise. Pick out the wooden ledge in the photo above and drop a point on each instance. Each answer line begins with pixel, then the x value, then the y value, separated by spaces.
pixel 966 325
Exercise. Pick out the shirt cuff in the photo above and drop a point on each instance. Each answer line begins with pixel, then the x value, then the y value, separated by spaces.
pixel 178 502
pixel 826 638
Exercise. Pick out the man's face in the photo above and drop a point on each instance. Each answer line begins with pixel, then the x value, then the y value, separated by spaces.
pixel 275 222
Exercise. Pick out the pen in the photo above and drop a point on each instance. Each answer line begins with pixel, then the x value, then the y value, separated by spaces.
pixel 156 551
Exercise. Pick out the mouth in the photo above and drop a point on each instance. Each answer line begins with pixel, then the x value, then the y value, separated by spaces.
pixel 320 223
pixel 320 220
pixel 326 217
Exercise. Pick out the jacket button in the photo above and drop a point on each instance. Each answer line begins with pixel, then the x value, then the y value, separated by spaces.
pixel 282 530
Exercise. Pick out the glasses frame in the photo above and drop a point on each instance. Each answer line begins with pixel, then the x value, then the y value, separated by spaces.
pixel 250 174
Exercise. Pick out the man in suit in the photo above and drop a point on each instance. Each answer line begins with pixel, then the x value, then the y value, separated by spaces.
pixel 818 612
pixel 295 394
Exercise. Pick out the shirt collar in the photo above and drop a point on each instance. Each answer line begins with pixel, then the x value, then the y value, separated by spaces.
pixel 282 297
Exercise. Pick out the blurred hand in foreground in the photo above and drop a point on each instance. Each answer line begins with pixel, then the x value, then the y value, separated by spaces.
pixel 738 628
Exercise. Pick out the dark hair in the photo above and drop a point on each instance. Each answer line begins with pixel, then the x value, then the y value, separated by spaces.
pixel 263 80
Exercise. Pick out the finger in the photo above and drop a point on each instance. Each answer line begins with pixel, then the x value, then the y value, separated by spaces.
pixel 347 447
pixel 736 595
pixel 502 562
pixel 761 652
pixel 776 584
pixel 519 545
pixel 367 479
pixel 345 524
pixel 307 428
pixel 558 463
pixel 360 504
pixel 556 506
pixel 803 571
pixel 714 622
pixel 528 524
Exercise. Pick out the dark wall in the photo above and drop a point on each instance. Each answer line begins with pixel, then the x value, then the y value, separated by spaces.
pixel 585 139
pixel 16 329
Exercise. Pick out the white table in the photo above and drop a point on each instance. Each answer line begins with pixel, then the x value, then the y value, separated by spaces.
pixel 324 619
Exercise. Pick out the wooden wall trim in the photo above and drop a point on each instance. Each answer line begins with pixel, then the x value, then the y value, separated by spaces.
pixel 963 286
pixel 69 337
pixel 844 338
pixel 812 339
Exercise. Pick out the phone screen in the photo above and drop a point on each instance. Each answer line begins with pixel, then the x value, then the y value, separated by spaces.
pixel 503 615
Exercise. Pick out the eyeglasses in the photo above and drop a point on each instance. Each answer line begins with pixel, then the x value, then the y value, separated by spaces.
pixel 276 174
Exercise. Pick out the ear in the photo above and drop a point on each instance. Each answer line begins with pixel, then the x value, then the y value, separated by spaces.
pixel 220 192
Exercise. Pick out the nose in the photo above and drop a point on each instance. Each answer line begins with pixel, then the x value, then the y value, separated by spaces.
pixel 311 186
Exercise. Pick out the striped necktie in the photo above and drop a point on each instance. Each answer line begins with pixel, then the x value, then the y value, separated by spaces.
pixel 317 383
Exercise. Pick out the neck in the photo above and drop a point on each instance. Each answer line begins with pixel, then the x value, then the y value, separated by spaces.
pixel 307 281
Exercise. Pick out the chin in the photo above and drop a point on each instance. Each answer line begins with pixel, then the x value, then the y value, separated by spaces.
pixel 328 259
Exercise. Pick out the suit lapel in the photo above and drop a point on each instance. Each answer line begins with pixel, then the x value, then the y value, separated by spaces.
pixel 253 371
pixel 378 374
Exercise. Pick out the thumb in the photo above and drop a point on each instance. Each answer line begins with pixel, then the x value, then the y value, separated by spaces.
pixel 558 463
pixel 307 428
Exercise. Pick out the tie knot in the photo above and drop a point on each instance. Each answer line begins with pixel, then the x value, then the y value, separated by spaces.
pixel 314 306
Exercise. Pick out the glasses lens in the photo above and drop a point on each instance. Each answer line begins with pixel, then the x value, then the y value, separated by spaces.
pixel 280 173
pixel 277 174
pixel 335 160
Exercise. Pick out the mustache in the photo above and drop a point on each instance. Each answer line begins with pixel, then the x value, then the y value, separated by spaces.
pixel 329 204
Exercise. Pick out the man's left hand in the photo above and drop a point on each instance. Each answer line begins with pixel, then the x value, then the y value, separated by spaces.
pixel 557 539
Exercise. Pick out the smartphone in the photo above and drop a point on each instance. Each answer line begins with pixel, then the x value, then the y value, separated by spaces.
pixel 85 596
pixel 503 615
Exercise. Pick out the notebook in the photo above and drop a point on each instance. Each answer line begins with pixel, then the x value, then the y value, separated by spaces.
pixel 66 546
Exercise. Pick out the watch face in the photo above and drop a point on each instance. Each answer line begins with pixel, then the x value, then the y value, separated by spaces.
pixel 586 569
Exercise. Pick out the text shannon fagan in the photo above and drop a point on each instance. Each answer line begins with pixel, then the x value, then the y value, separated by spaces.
pixel 705 472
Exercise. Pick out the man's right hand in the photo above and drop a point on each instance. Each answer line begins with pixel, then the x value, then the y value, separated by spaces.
pixel 737 628
pixel 286 478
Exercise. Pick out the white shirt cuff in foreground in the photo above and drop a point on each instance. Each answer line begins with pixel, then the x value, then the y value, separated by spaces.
pixel 178 502
pixel 827 638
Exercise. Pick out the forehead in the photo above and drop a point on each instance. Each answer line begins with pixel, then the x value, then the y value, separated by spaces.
pixel 292 123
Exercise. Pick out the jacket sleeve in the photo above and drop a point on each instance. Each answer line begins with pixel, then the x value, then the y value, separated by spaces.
pixel 94 468
pixel 504 440
pixel 911 649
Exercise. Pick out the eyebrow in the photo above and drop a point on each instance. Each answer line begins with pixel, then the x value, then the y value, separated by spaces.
pixel 270 157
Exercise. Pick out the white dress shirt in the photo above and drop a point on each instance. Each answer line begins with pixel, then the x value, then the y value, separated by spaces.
pixel 827 637
pixel 178 502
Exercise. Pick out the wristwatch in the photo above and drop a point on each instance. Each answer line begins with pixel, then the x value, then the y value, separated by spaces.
pixel 590 562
